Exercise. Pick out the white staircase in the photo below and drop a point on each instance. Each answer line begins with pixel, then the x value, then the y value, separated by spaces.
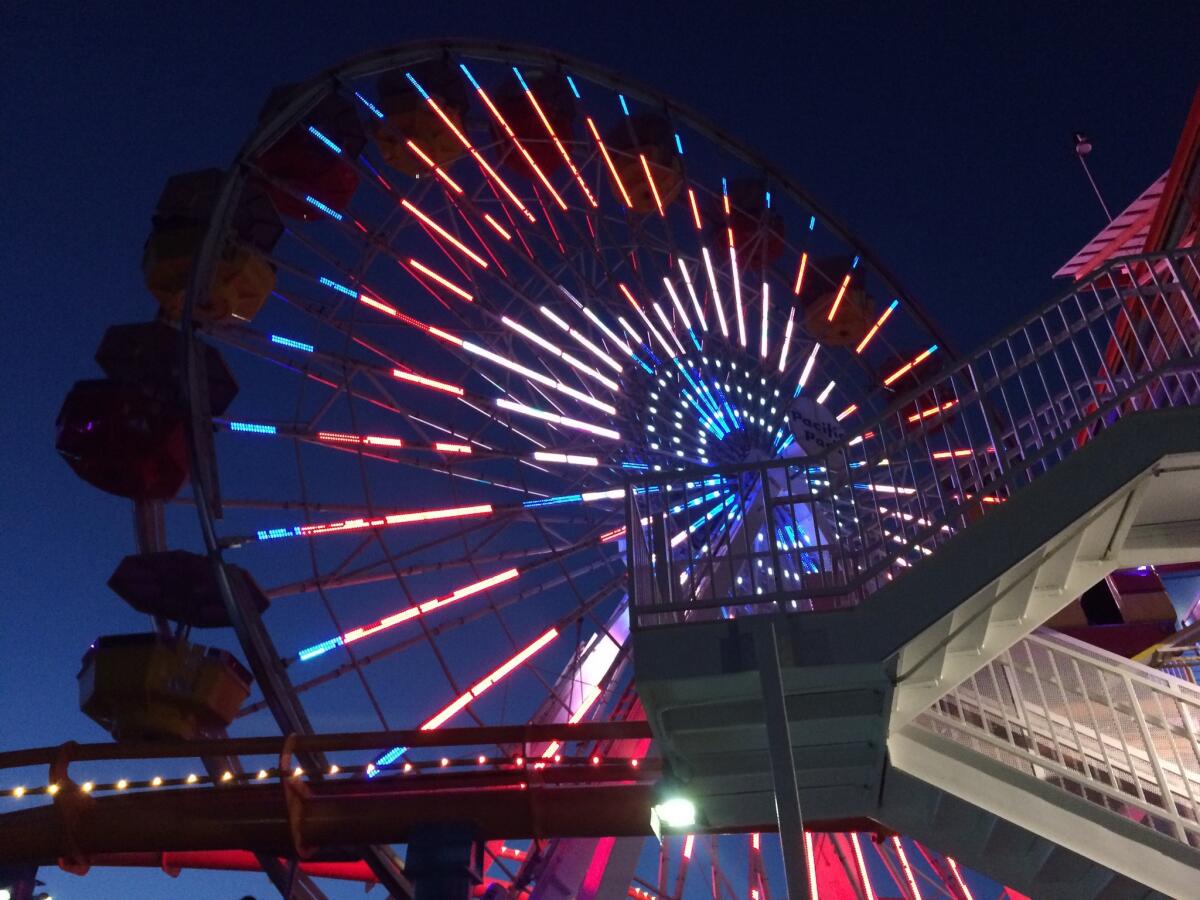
pixel 1131 499
pixel 1013 855
pixel 1064 449
pixel 1086 750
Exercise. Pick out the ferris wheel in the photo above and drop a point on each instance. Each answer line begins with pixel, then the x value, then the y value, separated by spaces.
pixel 447 301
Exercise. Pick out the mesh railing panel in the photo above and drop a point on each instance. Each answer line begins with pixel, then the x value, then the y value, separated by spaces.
pixel 1104 728
pixel 825 532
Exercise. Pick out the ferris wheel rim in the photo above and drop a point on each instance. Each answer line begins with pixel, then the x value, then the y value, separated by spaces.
pixel 304 97
pixel 308 92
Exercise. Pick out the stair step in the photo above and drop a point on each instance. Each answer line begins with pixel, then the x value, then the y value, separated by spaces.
pixel 971 635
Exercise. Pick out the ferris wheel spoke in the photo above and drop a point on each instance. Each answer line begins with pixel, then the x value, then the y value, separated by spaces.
pixel 522 658
pixel 416 610
pixel 415 379
pixel 368 574
pixel 467 618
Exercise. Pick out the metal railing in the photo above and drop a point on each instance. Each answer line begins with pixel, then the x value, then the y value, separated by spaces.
pixel 1102 727
pixel 826 531
pixel 1179 662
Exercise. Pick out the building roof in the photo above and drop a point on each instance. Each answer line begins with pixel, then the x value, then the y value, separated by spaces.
pixel 1125 234
pixel 1166 214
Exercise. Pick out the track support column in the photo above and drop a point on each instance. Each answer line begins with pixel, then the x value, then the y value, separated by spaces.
pixel 444 862
pixel 783 771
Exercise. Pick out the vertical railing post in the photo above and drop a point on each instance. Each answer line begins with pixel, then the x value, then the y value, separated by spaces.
pixel 631 572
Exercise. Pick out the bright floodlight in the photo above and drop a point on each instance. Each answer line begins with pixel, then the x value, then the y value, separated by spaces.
pixel 4 894
pixel 676 813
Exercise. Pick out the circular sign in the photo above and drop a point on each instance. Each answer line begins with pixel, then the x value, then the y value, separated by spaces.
pixel 813 426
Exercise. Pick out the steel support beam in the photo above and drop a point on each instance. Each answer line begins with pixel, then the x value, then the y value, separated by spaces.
pixel 783 771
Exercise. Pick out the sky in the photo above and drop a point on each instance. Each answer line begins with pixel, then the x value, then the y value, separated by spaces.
pixel 942 140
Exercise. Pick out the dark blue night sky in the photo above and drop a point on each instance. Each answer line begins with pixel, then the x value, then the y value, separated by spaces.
pixel 943 141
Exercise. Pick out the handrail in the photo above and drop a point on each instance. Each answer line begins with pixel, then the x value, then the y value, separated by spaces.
pixel 1105 728
pixel 943 454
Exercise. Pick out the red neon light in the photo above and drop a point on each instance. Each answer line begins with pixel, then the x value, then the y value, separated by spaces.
pixel 908 872
pixel 653 186
pixel 800 273
pixel 483 509
pixel 372 440
pixel 414 378
pixel 688 842
pixel 561 149
pixel 837 301
pixel 813 893
pixel 379 305
pixel 483 684
pixel 958 454
pixel 847 411
pixel 520 147
pixel 962 885
pixel 440 279
pixel 451 448
pixel 608 161
pixel 475 257
pixel 407 320
pixel 862 867
pixel 444 335
pixel 483 163
pixel 441 718
pixel 695 208
pixel 932 411
pixel 585 704
pixel 421 155
pixel 909 366
pixel 497 227
pixel 356 634
pixel 874 328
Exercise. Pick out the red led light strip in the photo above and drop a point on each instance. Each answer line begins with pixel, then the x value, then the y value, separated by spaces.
pixel 375 440
pixel 357 634
pixel 561 149
pixel 414 378
pixel 437 170
pixel 562 204
pixel 483 163
pixel 608 161
pixel 441 279
pixel 653 186
pixel 932 411
pixel 346 525
pixel 874 328
pixel 837 301
pixel 488 681
pixel 909 876
pixel 863 875
pixel 800 273
pixel 695 208
pixel 446 235
pixel 962 885
pixel 909 366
